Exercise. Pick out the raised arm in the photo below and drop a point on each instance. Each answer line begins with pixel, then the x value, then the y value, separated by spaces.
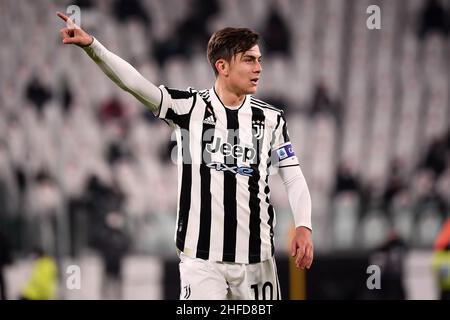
pixel 117 69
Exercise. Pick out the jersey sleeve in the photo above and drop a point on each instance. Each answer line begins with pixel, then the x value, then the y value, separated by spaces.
pixel 282 148
pixel 124 75
pixel 176 105
pixel 291 175
pixel 166 103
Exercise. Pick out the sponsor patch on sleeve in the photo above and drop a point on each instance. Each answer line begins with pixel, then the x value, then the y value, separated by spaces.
pixel 285 152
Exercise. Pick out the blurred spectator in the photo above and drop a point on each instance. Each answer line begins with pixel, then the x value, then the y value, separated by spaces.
pixel 443 238
pixel 371 194
pixel 5 259
pixel 165 49
pixel 401 214
pixel 323 103
pixel 42 284
pixel 447 140
pixel 37 93
pixel 118 151
pixel 112 110
pixel 395 183
pixel 46 191
pixel 66 96
pixel 428 199
pixel 125 10
pixel 8 193
pixel 20 180
pixel 433 17
pixel 205 9
pixel 43 204
pixel 435 158
pixel 76 224
pixel 99 199
pixel 441 261
pixel 441 268
pixel 114 244
pixel 390 257
pixel 190 33
pixel 194 27
pixel 346 180
pixel 276 34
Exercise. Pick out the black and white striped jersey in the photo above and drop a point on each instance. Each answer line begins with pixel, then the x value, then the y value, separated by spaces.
pixel 224 157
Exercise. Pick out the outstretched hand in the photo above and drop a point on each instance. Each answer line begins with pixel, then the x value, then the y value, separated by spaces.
pixel 73 34
pixel 302 248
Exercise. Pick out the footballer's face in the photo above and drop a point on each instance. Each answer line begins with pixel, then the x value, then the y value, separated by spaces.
pixel 244 71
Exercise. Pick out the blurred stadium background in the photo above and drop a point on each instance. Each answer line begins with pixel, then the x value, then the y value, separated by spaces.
pixel 368 112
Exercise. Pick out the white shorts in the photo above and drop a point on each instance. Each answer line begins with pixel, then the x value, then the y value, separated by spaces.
pixel 207 280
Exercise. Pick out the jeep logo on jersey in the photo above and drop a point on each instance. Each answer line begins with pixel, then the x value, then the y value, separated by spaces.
pixel 243 171
pixel 226 149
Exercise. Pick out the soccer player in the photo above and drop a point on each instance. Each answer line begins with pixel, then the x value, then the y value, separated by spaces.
pixel 227 142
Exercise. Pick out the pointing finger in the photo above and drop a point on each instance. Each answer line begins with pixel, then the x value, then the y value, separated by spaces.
pixel 62 16
pixel 70 23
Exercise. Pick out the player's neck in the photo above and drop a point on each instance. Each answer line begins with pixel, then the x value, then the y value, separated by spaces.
pixel 229 98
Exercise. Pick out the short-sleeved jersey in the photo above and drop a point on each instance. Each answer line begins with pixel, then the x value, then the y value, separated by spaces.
pixel 224 157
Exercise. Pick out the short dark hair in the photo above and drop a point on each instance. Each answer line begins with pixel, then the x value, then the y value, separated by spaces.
pixel 227 42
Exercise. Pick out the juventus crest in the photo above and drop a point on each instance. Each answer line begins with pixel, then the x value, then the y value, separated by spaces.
pixel 258 128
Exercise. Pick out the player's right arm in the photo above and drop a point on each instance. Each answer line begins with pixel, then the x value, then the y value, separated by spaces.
pixel 117 69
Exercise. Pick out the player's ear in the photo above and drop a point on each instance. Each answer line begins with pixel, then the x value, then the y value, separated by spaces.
pixel 222 67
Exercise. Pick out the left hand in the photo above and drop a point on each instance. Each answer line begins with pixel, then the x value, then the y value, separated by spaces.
pixel 302 248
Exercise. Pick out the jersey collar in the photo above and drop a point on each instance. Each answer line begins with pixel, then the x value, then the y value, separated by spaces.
pixel 215 100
